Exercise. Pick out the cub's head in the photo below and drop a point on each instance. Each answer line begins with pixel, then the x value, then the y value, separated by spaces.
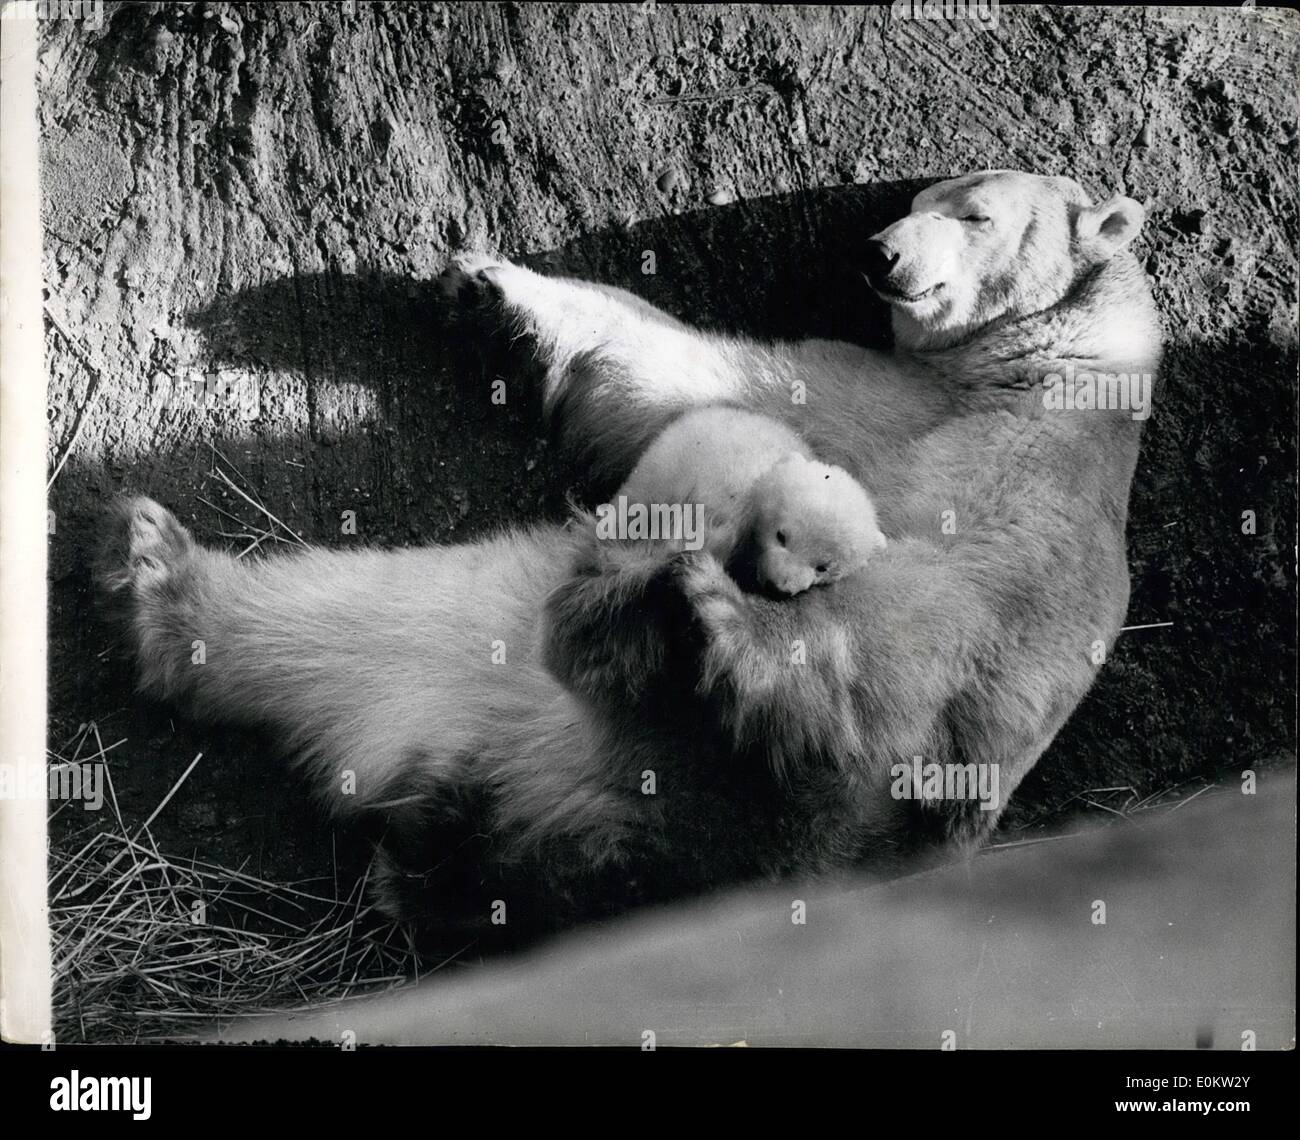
pixel 808 524
pixel 984 246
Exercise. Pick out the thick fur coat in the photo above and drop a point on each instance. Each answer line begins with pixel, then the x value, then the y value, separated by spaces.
pixel 621 725
pixel 778 519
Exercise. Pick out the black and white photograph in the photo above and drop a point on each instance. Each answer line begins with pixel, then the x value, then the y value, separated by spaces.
pixel 650 526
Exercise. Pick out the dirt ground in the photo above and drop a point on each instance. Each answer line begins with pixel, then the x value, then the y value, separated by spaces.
pixel 252 199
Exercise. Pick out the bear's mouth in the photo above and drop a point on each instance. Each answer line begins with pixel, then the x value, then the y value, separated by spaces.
pixel 892 294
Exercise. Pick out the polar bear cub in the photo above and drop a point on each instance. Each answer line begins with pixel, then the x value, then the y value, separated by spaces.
pixel 779 519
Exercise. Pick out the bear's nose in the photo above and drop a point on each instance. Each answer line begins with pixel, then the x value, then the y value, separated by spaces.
pixel 880 261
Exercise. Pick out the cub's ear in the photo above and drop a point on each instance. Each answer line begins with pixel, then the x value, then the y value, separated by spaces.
pixel 1102 231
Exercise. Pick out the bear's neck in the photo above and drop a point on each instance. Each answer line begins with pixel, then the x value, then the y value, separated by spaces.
pixel 1106 323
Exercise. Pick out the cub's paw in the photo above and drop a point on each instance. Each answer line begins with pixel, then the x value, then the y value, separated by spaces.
pixel 471 281
pixel 142 551
pixel 710 591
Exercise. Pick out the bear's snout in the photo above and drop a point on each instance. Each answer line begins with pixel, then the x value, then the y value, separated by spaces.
pixel 881 258
pixel 906 262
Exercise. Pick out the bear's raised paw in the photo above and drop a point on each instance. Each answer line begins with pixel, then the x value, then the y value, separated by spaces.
pixel 470 280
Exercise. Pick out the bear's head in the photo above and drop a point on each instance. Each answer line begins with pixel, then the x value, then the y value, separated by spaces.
pixel 999 244
pixel 807 524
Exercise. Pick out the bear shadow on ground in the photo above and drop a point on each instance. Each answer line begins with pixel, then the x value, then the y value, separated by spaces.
pixel 438 461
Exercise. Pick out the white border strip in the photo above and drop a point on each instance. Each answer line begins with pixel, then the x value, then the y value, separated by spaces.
pixel 24 917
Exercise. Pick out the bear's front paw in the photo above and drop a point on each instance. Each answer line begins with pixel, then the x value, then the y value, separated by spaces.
pixel 470 280
pixel 142 550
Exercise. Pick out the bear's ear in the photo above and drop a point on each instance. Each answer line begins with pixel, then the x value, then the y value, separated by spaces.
pixel 1106 229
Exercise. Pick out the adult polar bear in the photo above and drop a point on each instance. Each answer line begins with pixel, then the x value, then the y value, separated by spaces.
pixel 545 683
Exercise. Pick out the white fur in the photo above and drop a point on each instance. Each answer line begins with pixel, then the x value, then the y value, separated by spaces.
pixel 712 454
pixel 750 476
pixel 971 640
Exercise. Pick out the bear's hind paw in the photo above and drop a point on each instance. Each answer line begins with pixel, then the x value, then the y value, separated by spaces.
pixel 142 549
